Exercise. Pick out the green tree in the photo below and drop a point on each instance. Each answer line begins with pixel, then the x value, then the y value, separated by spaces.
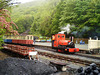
pixel 43 18
pixel 24 23
pixel 80 13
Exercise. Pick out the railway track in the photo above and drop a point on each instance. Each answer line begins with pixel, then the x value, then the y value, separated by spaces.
pixel 70 56
pixel 65 58
pixel 48 48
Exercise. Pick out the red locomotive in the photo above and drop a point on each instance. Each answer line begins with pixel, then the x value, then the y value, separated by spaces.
pixel 62 45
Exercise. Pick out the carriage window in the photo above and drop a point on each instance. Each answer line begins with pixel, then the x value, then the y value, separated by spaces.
pixel 28 37
pixel 31 38
pixel 62 36
pixel 58 36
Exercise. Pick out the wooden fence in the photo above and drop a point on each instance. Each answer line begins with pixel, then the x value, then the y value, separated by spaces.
pixel 79 39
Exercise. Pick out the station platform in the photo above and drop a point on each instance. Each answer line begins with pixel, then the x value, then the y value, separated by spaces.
pixel 80 46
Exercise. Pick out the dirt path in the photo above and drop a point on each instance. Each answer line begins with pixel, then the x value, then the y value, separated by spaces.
pixel 3 55
pixel 6 54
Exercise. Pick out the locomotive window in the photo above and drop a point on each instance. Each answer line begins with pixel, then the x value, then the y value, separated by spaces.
pixel 62 36
pixel 58 36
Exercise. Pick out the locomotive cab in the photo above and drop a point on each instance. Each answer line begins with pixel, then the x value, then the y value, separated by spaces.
pixel 62 45
pixel 56 39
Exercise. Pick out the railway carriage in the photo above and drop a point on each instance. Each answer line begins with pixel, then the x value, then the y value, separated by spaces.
pixel 21 40
pixel 18 44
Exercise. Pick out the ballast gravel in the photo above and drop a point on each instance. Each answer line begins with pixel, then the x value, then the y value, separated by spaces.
pixel 17 66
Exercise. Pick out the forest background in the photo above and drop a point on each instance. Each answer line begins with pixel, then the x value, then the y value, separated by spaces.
pixel 47 17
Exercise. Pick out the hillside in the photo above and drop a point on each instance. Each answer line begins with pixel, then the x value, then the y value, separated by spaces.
pixel 27 14
pixel 47 17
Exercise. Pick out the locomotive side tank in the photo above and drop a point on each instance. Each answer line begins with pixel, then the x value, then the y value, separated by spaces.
pixel 62 45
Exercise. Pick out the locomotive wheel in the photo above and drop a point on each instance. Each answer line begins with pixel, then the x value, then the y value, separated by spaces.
pixel 72 52
pixel 69 52
pixel 93 51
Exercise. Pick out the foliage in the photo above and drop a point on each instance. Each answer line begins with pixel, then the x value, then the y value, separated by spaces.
pixel 41 14
pixel 81 13
pixel 43 19
pixel 24 23
pixel 46 17
pixel 5 21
